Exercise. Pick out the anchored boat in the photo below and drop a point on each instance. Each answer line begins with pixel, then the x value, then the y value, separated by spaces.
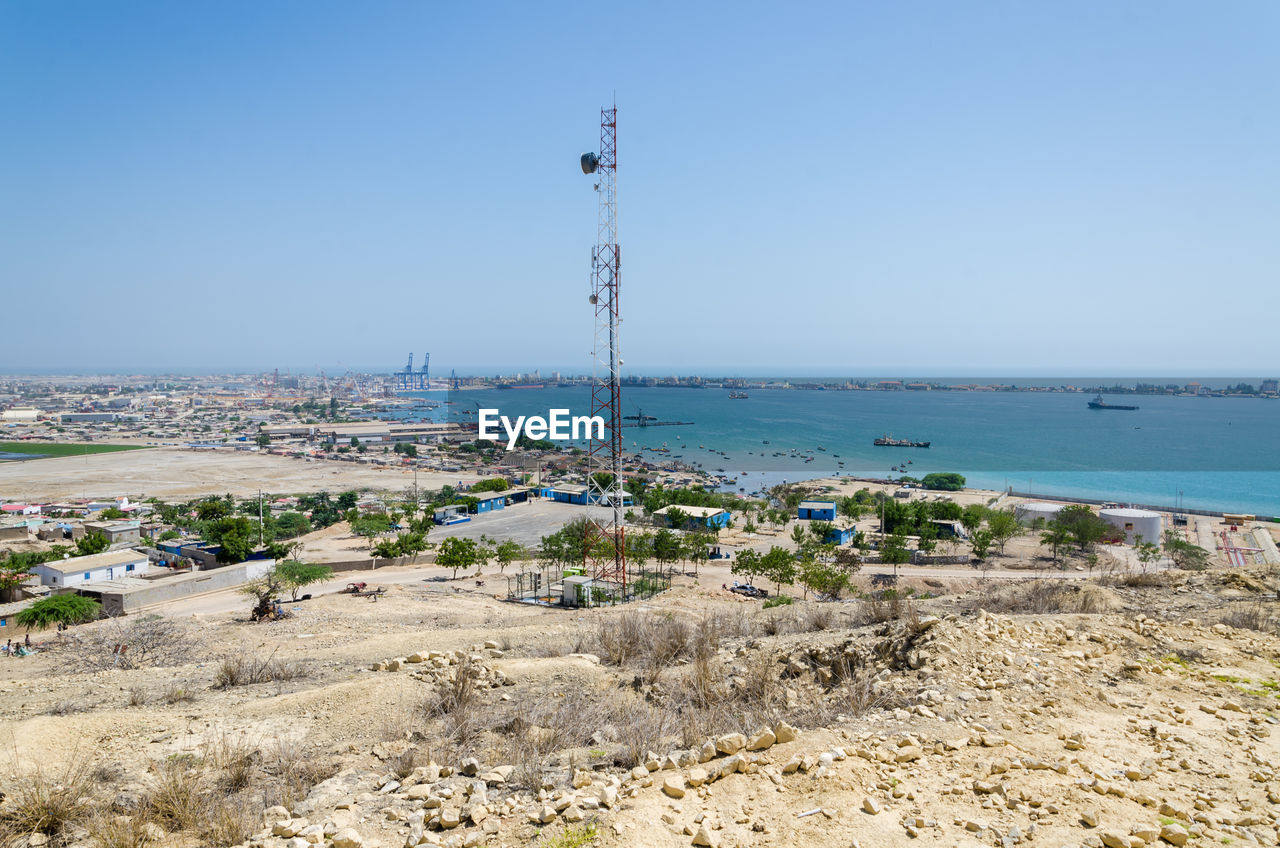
pixel 887 441
pixel 1099 403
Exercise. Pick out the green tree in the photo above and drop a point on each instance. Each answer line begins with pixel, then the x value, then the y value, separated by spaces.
pixel 945 481
pixel 292 524
pixel 823 578
pixel 235 546
pixel 639 549
pixel 696 548
pixel 779 565
pixel 371 524
pixel 296 576
pixel 567 546
pixel 212 508
pixel 748 564
pixel 111 513
pixel 458 554
pixel 386 549
pixel 819 530
pixel 263 590
pixel 58 609
pixel 1004 525
pixel 928 535
pixel 971 517
pixel 492 484
pixel 850 508
pixel 1086 528
pixel 666 547
pixel 508 552
pixel 981 541
pixel 1184 554
pixel 91 543
pixel 677 518
pixel 894 550
pixel 263 440
pixel 1055 537
pixel 1148 552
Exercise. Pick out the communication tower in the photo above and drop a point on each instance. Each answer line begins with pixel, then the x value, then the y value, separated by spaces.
pixel 605 549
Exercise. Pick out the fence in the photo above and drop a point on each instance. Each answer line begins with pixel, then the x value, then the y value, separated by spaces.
pixel 550 585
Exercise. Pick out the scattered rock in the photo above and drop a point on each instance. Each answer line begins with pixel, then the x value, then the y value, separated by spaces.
pixel 348 838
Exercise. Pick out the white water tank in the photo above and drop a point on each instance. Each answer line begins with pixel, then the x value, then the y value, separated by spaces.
pixel 1027 513
pixel 1134 523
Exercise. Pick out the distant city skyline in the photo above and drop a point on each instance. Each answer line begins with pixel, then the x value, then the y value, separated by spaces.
pixel 828 190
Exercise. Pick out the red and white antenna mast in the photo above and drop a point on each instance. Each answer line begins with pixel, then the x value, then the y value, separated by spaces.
pixel 606 557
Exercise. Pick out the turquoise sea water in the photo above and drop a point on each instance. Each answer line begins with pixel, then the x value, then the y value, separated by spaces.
pixel 1210 453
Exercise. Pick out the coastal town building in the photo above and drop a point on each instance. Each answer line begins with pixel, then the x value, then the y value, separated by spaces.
pixel 119 534
pixel 76 571
pixel 706 516
pixel 817 510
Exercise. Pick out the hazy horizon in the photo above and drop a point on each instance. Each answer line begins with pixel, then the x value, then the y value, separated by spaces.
pixel 1209 380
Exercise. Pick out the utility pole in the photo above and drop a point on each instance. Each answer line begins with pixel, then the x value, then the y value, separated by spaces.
pixel 260 535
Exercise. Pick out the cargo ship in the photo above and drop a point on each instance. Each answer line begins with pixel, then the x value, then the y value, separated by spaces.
pixel 890 442
pixel 1099 403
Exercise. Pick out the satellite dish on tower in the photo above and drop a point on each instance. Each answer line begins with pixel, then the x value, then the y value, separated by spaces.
pixel 590 163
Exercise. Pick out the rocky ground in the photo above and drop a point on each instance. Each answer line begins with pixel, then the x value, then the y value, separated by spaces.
pixel 996 714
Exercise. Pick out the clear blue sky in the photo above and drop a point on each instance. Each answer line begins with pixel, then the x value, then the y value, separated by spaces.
pixel 928 187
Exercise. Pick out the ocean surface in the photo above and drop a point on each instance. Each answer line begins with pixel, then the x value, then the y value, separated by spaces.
pixel 1197 452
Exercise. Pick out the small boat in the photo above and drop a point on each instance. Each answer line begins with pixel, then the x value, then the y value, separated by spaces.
pixel 738 395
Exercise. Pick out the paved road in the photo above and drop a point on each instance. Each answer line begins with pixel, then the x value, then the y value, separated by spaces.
pixel 231 600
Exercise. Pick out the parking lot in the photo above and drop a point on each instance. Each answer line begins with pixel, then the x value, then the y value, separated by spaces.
pixel 525 523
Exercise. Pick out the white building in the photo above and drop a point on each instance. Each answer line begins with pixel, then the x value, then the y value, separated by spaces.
pixel 76 571
pixel 1028 513
pixel 1134 523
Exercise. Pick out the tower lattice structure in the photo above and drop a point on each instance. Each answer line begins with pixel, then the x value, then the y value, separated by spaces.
pixel 605 548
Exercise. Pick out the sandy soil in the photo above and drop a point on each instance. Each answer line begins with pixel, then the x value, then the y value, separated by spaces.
pixel 1029 724
pixel 177 474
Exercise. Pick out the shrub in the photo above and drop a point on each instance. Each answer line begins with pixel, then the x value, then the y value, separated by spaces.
pixel 778 601
pixel 129 642
pixel 58 609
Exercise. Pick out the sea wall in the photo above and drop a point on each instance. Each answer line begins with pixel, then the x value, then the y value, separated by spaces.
pixel 1099 502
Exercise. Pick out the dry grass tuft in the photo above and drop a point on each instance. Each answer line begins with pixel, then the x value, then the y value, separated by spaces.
pixel 1049 596
pixel 248 669
pixel 51 805
pixel 1260 616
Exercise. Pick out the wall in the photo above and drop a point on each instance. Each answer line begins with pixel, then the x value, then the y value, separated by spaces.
pixel 178 586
